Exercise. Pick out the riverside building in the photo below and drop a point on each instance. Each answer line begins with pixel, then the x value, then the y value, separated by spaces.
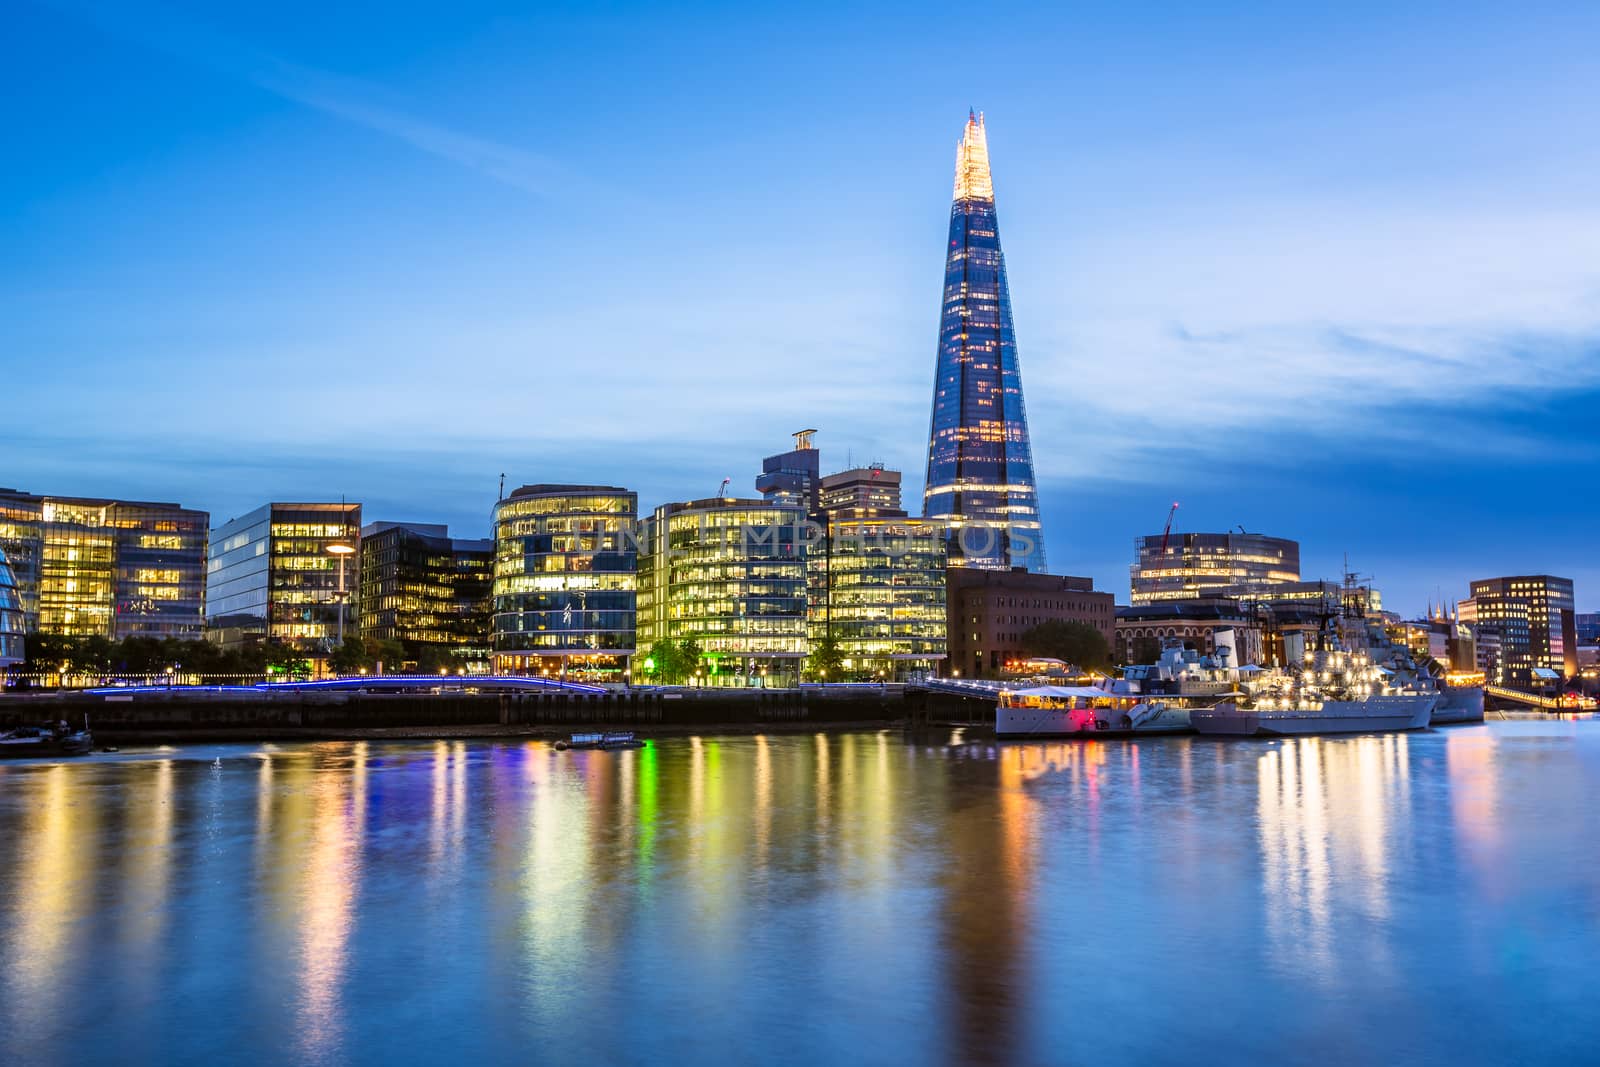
pixel 729 575
pixel 980 462
pixel 988 612
pixel 11 619
pixel 1535 619
pixel 878 591
pixel 1190 566
pixel 565 581
pixel 285 573
pixel 92 567
pixel 429 591
pixel 862 493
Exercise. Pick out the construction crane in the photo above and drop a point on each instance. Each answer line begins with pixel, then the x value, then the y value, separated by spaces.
pixel 1166 534
pixel 722 490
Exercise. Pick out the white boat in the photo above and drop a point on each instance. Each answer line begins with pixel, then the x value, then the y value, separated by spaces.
pixel 1082 711
pixel 1381 713
pixel 1329 690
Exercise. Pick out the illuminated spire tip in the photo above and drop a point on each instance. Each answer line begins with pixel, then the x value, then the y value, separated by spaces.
pixel 972 162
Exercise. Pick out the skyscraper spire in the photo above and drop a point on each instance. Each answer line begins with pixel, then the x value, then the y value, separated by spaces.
pixel 980 463
pixel 973 181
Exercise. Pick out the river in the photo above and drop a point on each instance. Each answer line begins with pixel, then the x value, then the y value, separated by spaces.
pixel 846 898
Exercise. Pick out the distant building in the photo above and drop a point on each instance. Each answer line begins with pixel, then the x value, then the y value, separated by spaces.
pixel 1142 629
pixel 92 567
pixel 274 575
pixel 730 575
pixel 427 590
pixel 862 493
pixel 1189 566
pixel 12 626
pixel 877 588
pixel 980 462
pixel 1537 626
pixel 1588 628
pixel 565 580
pixel 988 612
pixel 795 476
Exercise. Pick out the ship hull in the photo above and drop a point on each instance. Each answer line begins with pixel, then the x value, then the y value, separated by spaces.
pixel 1038 724
pixel 1380 714
pixel 1458 705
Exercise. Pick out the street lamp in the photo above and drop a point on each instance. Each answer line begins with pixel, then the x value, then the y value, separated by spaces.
pixel 341 549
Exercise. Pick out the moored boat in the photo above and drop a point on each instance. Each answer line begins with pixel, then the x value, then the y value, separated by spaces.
pixel 1380 713
pixel 34 742
pixel 1051 711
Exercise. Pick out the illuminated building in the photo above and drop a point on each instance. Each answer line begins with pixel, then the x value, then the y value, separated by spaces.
pixel 862 493
pixel 90 567
pixel 988 612
pixel 730 575
pixel 1537 624
pixel 427 590
pixel 980 463
pixel 275 575
pixel 793 477
pixel 11 618
pixel 1188 566
pixel 878 589
pixel 565 580
pixel 1588 628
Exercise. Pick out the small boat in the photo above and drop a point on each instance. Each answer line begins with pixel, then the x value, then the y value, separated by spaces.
pixel 35 742
pixel 609 740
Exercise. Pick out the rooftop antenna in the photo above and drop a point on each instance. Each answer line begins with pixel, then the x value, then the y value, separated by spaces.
pixel 502 495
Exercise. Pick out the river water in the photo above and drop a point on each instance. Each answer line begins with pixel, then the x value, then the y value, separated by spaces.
pixel 853 898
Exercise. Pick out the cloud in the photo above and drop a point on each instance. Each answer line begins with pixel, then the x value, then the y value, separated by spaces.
pixel 349 99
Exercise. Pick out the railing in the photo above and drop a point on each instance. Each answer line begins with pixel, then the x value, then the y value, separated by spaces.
pixel 1539 700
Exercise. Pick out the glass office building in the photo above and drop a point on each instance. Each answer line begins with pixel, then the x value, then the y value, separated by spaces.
pixel 272 577
pixel 1186 566
pixel 980 463
pixel 565 574
pixel 878 589
pixel 730 575
pixel 92 567
pixel 11 618
pixel 1536 620
pixel 431 592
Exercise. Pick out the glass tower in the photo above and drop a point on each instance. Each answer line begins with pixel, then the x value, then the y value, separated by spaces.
pixel 565 580
pixel 980 465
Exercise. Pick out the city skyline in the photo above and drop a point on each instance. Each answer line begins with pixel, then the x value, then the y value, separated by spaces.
pixel 264 269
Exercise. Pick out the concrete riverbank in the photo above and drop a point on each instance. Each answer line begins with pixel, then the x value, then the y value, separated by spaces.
pixel 211 715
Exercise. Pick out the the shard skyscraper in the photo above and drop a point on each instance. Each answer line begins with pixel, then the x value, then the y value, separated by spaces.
pixel 980 465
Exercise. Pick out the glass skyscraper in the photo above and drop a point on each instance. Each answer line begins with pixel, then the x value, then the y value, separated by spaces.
pixel 980 465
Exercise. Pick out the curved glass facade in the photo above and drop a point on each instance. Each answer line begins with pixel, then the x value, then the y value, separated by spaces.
pixel 1189 565
pixel 980 463
pixel 565 579
pixel 11 619
pixel 730 575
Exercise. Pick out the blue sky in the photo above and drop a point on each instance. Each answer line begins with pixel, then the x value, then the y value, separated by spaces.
pixel 1332 275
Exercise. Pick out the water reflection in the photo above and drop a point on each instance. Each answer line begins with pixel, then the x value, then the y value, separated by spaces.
pixel 1331 814
pixel 847 897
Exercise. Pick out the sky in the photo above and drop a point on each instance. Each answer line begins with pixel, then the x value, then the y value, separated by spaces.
pixel 1325 274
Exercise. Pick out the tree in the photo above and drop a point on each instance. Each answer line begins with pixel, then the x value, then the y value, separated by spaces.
pixel 1078 643
pixel 826 660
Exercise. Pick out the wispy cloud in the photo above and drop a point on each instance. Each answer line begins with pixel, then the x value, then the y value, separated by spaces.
pixel 350 99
